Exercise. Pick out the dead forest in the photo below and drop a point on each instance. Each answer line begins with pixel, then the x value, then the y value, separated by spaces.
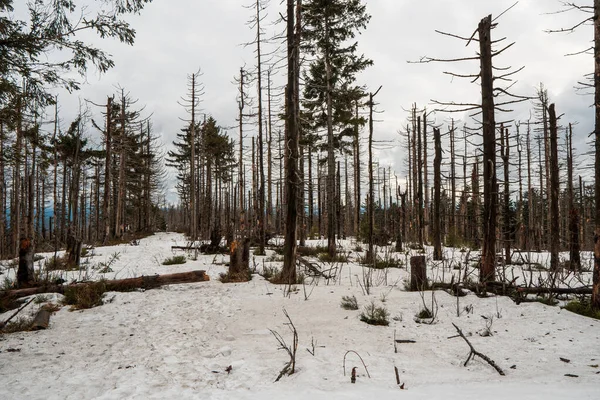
pixel 300 161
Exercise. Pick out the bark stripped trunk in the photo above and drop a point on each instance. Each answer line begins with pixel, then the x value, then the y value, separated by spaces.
pixel 437 183
pixel 107 177
pixel 505 152
pixel 574 256
pixel 596 274
pixel 554 216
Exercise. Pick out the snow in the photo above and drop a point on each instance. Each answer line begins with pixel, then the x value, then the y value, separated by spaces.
pixel 177 341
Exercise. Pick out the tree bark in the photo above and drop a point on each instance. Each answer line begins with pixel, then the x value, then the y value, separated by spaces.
pixel 554 216
pixel 291 148
pixel 488 254
pixel 596 274
pixel 437 183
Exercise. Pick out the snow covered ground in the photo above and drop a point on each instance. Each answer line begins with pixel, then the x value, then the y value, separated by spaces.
pixel 177 341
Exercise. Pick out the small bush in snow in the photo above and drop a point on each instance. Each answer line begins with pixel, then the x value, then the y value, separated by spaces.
pixel 269 272
pixel 349 303
pixel 85 296
pixel 337 258
pixel 374 315
pixel 175 260
pixel 582 308
pixel 425 313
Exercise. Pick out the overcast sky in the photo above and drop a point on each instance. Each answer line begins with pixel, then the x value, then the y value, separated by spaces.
pixel 175 38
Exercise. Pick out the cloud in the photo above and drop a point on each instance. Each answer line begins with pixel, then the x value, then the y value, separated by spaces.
pixel 175 38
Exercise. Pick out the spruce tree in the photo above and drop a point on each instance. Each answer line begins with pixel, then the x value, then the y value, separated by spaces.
pixel 330 27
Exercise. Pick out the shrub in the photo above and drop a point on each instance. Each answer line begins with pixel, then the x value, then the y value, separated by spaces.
pixel 388 263
pixel 425 313
pixel 58 263
pixel 269 272
pixel 337 258
pixel 349 303
pixel 85 296
pixel 228 277
pixel 582 308
pixel 175 260
pixel 311 251
pixel 374 315
pixel 21 324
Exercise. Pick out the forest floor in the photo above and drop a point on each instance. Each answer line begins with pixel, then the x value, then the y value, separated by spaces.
pixel 178 341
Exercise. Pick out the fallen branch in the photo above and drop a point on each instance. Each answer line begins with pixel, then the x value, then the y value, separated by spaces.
pixel 3 324
pixel 118 285
pixel 474 353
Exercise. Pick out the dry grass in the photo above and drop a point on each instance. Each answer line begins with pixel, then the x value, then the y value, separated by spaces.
pixel 85 296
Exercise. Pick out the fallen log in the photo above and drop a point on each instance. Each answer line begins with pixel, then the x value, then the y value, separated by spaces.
pixel 541 290
pixel 118 285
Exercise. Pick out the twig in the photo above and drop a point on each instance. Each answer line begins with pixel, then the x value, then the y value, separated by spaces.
pixel 474 353
pixel 363 363
pixel 290 366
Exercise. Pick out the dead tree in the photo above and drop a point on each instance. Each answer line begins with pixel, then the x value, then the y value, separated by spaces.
pixel 371 208
pixel 437 183
pixel 594 18
pixel 291 148
pixel 574 256
pixel 487 109
pixel 554 216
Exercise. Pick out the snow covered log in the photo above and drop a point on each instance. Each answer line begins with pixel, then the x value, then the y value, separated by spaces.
pixel 119 285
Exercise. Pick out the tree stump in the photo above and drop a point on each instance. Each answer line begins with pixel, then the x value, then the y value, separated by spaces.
pixel 239 261
pixel 25 271
pixel 418 273
pixel 41 320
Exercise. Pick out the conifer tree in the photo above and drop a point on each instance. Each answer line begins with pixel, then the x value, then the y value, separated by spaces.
pixel 330 27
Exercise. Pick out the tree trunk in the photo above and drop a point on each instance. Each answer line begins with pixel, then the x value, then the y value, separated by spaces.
pixel 505 153
pixel 574 256
pixel 437 183
pixel 596 274
pixel 107 168
pixel 488 254
pixel 291 148
pixel 554 216
pixel 25 272
pixel 418 273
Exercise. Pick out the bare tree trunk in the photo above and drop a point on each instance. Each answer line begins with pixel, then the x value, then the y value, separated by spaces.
pixel 269 220
pixel 261 170
pixel 3 188
pixel 15 221
pixel 453 184
pixel 331 245
pixel 193 190
pixel 437 183
pixel 357 198
pixel 505 152
pixel 122 166
pixel 291 148
pixel 420 214
pixel 107 177
pixel 574 256
pixel 425 179
pixel 554 216
pixel 488 254
pixel 596 274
